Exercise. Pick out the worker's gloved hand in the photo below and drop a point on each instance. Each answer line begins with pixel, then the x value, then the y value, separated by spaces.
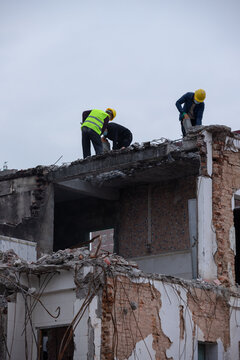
pixel 186 116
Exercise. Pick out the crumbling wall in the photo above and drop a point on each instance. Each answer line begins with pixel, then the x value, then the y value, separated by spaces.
pixel 157 225
pixel 130 313
pixel 115 311
pixel 226 181
pixel 210 312
pixel 26 207
pixel 3 325
pixel 163 319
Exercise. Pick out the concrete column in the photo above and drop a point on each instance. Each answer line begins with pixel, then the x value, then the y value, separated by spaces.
pixel 45 232
pixel 207 245
pixel 192 215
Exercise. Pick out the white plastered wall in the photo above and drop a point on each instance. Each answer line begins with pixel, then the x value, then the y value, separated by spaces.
pixel 23 248
pixel 233 351
pixel 207 245
pixel 60 292
pixel 174 297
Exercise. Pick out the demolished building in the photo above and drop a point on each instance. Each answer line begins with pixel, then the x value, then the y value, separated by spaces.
pixel 174 208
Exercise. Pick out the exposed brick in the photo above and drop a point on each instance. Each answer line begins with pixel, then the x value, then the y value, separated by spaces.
pixel 131 326
pixel 169 217
pixel 211 314
pixel 107 240
pixel 226 180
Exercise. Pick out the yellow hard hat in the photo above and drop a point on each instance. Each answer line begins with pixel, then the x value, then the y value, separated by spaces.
pixel 199 95
pixel 112 111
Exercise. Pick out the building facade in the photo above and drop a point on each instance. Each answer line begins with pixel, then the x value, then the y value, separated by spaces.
pixel 174 211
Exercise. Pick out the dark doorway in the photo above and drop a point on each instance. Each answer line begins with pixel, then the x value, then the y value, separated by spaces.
pixel 50 344
pixel 236 213
pixel 74 220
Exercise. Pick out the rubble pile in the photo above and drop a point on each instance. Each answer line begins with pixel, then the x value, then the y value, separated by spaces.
pixel 11 266
pixel 66 259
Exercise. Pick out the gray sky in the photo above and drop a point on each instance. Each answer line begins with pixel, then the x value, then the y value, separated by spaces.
pixel 59 58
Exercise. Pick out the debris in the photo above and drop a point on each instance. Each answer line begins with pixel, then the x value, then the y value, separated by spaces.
pixel 106 260
pixel 32 291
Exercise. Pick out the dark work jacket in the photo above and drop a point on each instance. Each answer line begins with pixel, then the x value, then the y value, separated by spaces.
pixel 187 100
pixel 86 113
pixel 116 133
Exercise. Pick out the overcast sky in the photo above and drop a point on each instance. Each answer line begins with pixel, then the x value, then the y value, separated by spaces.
pixel 59 58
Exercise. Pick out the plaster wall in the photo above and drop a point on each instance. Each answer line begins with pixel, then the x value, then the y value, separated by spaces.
pixel 16 196
pixel 234 351
pixel 59 298
pixel 207 245
pixel 16 334
pixel 27 209
pixel 143 349
pixel 24 249
pixel 159 318
pixel 167 319
pixel 177 264
pixel 176 323
pixel 45 227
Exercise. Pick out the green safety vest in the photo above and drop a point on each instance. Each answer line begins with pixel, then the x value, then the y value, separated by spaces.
pixel 95 120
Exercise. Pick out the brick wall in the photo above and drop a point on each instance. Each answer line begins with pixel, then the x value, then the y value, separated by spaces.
pixel 226 180
pixel 132 310
pixel 106 240
pixel 169 217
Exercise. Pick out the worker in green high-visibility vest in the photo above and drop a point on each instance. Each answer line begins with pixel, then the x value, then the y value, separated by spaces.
pixel 94 123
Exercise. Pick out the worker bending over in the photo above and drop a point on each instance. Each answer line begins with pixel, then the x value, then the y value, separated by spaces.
pixel 119 135
pixel 94 123
pixel 192 109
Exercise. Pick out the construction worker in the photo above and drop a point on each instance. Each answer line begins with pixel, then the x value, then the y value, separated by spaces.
pixel 94 123
pixel 192 110
pixel 119 135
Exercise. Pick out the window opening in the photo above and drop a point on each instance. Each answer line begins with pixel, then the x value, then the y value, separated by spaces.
pixel 207 351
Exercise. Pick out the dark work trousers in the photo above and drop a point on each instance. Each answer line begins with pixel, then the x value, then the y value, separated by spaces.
pixel 91 135
pixel 183 130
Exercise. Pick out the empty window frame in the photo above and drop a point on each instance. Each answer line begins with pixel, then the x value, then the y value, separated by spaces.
pixel 207 351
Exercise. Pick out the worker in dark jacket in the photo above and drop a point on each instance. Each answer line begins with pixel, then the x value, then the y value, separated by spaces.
pixel 119 135
pixel 94 123
pixel 193 107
